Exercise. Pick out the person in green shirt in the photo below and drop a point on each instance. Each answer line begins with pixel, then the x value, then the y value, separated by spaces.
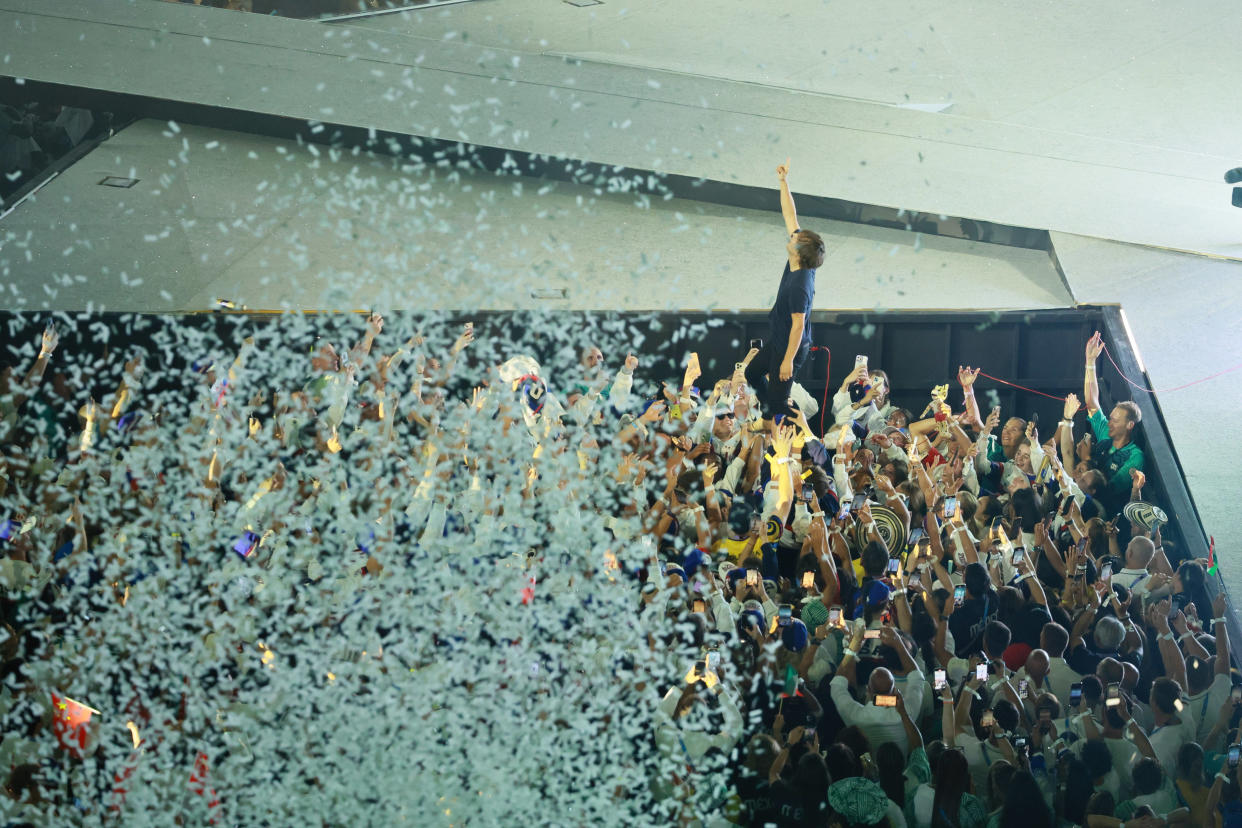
pixel 1115 453
pixel 1004 449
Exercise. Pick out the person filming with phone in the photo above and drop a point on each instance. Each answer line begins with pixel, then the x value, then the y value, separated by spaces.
pixel 789 333
pixel 979 606
pixel 877 715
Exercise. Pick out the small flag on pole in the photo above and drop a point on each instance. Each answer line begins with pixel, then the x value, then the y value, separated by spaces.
pixel 70 720
pixel 1212 564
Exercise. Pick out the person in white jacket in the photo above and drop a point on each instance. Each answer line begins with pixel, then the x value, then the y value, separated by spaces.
pixel 845 412
pixel 690 721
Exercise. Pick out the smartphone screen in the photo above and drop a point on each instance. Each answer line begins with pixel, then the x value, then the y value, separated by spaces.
pixel 845 510
pixel 1114 696
pixel 1075 693
pixel 834 616
pixel 699 606
pixel 996 526
pixel 1018 554
pixel 916 534
pixel 808 579
pixel 713 659
pixel 885 701
pixel 752 577
pixel 808 492
pixel 859 500
pixel 1106 572
pixel 981 672
pixel 783 615
pixel 700 668
pixel 959 594
pixel 871 635
pixel 950 506
pixel 1235 752
pixel 941 680
pixel 860 359
pixel 756 344
pixel 894 566
pixel 1022 689
pixel 8 529
pixel 988 720
pixel 808 734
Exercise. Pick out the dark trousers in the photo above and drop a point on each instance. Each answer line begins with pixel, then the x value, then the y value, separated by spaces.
pixel 764 375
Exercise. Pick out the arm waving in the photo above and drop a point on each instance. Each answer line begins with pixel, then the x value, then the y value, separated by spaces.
pixel 787 206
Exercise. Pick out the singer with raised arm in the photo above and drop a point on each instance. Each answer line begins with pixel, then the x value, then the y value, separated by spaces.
pixel 788 343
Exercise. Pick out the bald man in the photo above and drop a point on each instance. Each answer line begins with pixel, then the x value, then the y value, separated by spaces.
pixel 879 724
pixel 1053 640
pixel 1035 674
pixel 1135 576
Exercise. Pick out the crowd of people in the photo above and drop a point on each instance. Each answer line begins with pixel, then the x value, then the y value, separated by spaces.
pixel 925 619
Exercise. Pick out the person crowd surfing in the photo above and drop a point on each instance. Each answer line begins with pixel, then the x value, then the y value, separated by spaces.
pixel 788 343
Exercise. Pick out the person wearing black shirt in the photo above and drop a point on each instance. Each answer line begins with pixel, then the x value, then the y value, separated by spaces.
pixel 969 620
pixel 788 344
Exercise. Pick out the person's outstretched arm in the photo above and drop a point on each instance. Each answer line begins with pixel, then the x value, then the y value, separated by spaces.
pixel 1091 388
pixel 787 206
pixel 34 376
pixel 966 377
pixel 1170 653
pixel 1219 606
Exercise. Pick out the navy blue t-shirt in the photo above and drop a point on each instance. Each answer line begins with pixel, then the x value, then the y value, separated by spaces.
pixel 795 295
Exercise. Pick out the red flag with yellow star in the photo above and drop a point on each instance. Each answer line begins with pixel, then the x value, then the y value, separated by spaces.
pixel 70 724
